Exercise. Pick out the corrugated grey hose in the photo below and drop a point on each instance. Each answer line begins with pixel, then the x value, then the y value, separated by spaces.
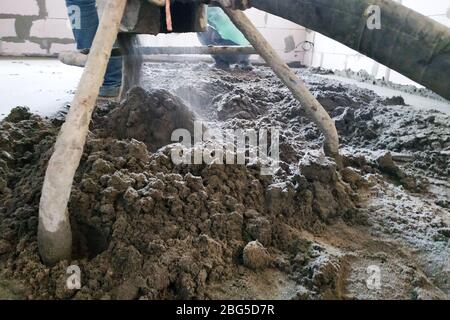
pixel 408 42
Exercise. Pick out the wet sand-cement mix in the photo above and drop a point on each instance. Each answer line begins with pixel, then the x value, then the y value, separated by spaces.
pixel 146 228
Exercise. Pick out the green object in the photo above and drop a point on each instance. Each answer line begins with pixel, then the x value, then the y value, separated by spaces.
pixel 219 20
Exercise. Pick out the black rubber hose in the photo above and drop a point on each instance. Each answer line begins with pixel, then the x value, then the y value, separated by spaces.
pixel 408 42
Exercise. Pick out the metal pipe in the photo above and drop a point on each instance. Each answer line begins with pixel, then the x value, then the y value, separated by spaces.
pixel 77 59
pixel 229 50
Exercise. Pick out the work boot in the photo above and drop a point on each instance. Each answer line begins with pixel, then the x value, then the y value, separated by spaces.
pixel 245 66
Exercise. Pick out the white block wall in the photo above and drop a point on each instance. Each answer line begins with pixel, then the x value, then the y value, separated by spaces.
pixel 24 7
pixel 34 27
pixel 277 30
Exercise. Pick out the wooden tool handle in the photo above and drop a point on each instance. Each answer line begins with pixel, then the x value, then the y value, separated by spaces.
pixel 54 232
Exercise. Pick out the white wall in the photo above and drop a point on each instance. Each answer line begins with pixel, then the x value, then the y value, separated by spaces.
pixel 333 55
pixel 36 27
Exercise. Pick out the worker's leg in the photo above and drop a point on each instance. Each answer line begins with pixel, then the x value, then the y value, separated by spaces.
pixel 212 37
pixel 85 22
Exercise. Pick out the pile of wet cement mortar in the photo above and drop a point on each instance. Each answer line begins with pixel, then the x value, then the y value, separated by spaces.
pixel 145 228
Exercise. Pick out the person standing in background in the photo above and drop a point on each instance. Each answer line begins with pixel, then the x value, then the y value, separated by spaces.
pixel 221 31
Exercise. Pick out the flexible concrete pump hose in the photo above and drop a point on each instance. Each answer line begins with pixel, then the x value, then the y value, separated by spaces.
pixel 408 42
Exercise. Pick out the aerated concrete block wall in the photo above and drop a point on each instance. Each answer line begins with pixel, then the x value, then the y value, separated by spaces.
pixel 34 27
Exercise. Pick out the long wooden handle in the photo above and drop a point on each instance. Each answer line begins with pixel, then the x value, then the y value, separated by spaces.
pixel 54 233
pixel 298 88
